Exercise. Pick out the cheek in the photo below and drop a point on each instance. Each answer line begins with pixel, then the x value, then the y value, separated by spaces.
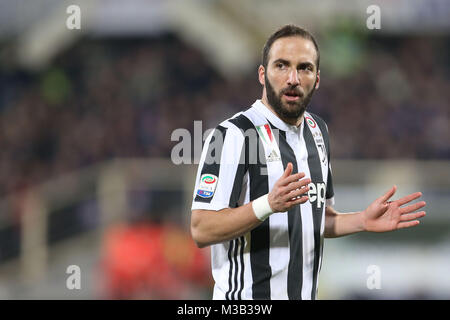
pixel 274 82
pixel 309 81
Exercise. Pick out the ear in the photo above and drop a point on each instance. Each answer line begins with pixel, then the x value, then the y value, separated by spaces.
pixel 261 74
pixel 317 80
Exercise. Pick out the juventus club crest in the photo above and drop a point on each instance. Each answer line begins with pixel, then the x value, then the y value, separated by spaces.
pixel 322 153
pixel 318 139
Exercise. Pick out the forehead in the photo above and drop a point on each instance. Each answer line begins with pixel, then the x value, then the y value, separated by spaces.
pixel 294 49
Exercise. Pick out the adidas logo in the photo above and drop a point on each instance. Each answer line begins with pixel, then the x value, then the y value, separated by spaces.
pixel 273 156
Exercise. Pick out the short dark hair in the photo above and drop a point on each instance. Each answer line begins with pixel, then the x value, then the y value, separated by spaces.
pixel 288 30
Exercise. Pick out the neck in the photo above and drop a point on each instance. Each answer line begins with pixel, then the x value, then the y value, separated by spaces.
pixel 291 121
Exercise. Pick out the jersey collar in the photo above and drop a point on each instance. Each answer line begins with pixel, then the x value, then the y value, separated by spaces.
pixel 274 119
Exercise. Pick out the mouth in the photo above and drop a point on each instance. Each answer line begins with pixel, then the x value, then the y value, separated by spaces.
pixel 292 95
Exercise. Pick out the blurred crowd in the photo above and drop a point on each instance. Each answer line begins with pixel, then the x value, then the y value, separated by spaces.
pixel 104 99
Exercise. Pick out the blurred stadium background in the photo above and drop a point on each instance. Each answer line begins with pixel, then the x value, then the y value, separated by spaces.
pixel 86 118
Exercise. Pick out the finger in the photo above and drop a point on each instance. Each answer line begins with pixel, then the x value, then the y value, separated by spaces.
pixel 287 172
pixel 413 207
pixel 408 224
pixel 388 194
pixel 297 184
pixel 296 193
pixel 295 202
pixel 292 178
pixel 412 216
pixel 408 198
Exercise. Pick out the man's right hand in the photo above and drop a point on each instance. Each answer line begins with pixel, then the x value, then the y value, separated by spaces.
pixel 286 190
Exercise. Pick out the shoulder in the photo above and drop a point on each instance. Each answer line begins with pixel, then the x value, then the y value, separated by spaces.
pixel 238 124
pixel 231 129
pixel 320 122
pixel 318 119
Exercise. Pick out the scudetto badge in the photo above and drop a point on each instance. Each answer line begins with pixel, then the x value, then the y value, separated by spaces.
pixel 207 186
pixel 311 122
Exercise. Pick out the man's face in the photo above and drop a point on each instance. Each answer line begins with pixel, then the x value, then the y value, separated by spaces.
pixel 291 76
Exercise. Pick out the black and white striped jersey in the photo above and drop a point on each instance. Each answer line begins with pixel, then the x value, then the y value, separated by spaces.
pixel 241 160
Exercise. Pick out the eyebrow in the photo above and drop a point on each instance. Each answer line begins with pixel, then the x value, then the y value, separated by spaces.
pixel 301 64
pixel 282 61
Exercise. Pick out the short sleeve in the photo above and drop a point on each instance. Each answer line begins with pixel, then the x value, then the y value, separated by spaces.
pixel 220 173
pixel 330 191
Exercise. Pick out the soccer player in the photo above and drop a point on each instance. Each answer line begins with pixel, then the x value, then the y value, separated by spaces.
pixel 264 194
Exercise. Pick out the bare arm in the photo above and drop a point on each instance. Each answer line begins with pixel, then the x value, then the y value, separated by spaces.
pixel 210 227
pixel 340 224
pixel 380 216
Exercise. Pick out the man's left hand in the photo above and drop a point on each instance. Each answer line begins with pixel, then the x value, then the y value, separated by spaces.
pixel 383 215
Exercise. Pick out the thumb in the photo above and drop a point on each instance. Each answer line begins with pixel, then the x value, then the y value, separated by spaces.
pixel 388 194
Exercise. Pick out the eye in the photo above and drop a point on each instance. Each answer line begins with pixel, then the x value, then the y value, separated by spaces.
pixel 307 67
pixel 280 65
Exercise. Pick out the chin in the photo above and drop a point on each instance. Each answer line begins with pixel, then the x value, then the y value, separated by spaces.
pixel 293 109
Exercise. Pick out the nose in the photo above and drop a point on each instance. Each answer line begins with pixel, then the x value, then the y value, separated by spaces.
pixel 293 79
